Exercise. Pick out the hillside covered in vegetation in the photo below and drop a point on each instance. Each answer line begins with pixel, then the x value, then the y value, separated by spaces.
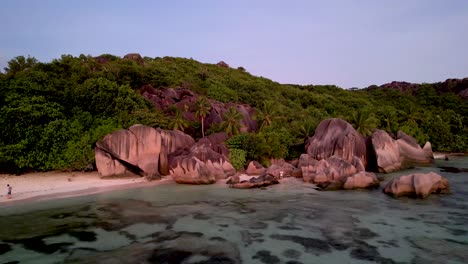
pixel 52 114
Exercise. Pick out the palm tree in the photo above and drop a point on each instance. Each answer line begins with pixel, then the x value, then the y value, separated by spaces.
pixel 267 113
pixel 231 122
pixel 178 122
pixel 410 114
pixel 363 121
pixel 390 120
pixel 306 130
pixel 202 110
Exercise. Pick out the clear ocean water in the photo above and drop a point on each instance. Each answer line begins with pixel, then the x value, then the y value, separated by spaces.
pixel 286 223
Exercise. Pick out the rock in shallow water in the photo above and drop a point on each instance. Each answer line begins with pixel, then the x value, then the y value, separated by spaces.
pixel 335 173
pixel 417 185
pixel 400 153
pixel 253 182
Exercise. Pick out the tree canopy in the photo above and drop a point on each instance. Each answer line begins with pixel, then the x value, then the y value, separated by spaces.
pixel 52 114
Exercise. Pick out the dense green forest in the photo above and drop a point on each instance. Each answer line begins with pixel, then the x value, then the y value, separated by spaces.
pixel 53 113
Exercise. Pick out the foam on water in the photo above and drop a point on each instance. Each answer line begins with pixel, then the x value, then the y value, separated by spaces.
pixel 286 223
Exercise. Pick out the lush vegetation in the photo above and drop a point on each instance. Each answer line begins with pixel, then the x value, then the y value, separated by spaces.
pixel 53 113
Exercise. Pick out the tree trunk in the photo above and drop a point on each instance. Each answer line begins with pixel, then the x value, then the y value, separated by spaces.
pixel 202 127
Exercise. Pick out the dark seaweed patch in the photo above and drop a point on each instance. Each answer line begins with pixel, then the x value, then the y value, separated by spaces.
pixel 165 236
pixel 361 233
pixel 248 238
pixel 308 243
pixel 38 245
pixel 420 260
pixel 381 222
pixel 83 235
pixel 457 232
pixel 186 233
pixel 338 245
pixel 364 251
pixel 453 169
pixel 4 248
pixel 218 239
pixel 217 260
pixel 389 243
pixel 200 216
pixel 456 241
pixel 292 253
pixel 168 256
pixel 288 227
pixel 258 225
pixel 61 216
pixel 266 257
pixel 293 262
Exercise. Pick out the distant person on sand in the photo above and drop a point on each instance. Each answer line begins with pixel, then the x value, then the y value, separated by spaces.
pixel 9 191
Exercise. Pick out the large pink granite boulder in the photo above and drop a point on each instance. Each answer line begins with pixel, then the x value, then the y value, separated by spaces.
pixel 199 165
pixel 255 168
pixel 411 153
pixel 336 173
pixel 336 137
pixel 216 142
pixel 387 151
pixel 417 185
pixel 428 150
pixel 185 100
pixel 361 180
pixel 252 182
pixel 280 171
pixel 134 57
pixel 140 149
pixel 309 167
pixel 404 152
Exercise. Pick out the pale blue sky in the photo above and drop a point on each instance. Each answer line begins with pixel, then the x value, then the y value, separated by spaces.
pixel 350 43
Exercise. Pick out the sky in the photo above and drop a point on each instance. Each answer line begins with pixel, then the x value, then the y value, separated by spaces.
pixel 349 43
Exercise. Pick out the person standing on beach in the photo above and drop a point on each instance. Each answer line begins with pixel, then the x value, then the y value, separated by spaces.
pixel 9 188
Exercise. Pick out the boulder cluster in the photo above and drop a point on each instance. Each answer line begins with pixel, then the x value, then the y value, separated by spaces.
pixel 396 154
pixel 337 157
pixel 153 153
pixel 336 173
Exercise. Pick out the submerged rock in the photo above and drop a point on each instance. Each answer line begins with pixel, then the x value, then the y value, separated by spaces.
pixel 418 185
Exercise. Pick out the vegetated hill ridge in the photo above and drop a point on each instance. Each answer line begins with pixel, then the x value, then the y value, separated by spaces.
pixel 456 86
pixel 53 113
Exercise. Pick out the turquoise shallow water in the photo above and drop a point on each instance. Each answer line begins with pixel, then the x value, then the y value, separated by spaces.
pixel 285 223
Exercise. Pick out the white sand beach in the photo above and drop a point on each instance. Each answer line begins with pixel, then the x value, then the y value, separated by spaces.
pixel 56 184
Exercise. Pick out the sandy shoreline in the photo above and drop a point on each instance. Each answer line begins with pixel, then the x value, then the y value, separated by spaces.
pixel 39 186
pixel 51 185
